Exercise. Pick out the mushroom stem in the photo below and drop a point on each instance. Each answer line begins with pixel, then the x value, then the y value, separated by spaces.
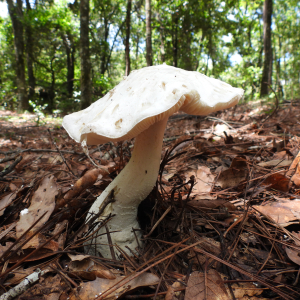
pixel 131 187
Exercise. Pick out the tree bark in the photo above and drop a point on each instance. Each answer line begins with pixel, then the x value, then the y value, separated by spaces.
pixel 29 53
pixel 148 34
pixel 162 39
pixel 267 67
pixel 104 47
pixel 16 15
pixel 85 64
pixel 127 40
pixel 175 39
pixel 70 51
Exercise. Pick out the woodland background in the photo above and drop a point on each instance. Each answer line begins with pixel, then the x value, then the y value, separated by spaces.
pixel 62 56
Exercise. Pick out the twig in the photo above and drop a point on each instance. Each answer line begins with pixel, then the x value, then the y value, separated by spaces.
pixel 61 154
pixel 11 167
pixel 36 150
pixel 24 285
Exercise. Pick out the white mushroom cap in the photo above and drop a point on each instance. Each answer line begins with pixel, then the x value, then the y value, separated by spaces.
pixel 146 96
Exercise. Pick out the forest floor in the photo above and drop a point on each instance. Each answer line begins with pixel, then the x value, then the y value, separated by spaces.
pixel 222 222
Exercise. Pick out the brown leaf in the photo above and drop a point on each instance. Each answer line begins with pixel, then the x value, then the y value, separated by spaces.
pixel 281 212
pixel 293 255
pixel 277 182
pixel 171 292
pixel 215 288
pixel 244 290
pixel 5 201
pixel 235 174
pixel 85 268
pixel 203 178
pixel 211 204
pixel 38 240
pixel 89 290
pixel 297 237
pixel 86 181
pixel 295 165
pixel 18 275
pixel 277 163
pixel 43 200
pixel 296 179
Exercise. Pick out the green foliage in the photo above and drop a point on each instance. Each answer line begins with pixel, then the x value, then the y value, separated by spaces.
pixel 38 110
pixel 219 38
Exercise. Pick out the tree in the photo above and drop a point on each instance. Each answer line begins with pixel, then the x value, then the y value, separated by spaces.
pixel 29 55
pixel 127 39
pixel 267 68
pixel 148 33
pixel 85 64
pixel 16 15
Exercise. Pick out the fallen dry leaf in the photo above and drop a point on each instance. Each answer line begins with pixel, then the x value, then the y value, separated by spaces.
pixel 87 180
pixel 172 293
pixel 293 255
pixel 5 201
pixel 296 237
pixel 43 201
pixel 90 290
pixel 215 288
pixel 203 180
pixel 295 170
pixel 281 212
pixel 235 174
pixel 245 290
pixel 277 182
pixel 208 204
pixel 85 268
pixel 277 163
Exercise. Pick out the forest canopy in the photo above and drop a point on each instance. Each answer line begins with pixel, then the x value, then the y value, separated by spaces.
pixel 64 55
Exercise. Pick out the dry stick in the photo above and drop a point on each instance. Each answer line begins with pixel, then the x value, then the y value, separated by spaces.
pixel 267 259
pixel 276 240
pixel 254 277
pixel 164 272
pixel 23 286
pixel 111 247
pixel 240 270
pixel 130 261
pixel 11 167
pixel 65 276
pixel 159 220
pixel 34 150
pixel 265 230
pixel 61 154
pixel 276 105
pixel 151 295
pixel 126 280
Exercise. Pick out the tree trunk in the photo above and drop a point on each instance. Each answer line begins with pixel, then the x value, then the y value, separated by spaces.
pixel 127 44
pixel 267 68
pixel 16 15
pixel 175 39
pixel 148 34
pixel 70 51
pixel 85 64
pixel 104 47
pixel 29 53
pixel 162 39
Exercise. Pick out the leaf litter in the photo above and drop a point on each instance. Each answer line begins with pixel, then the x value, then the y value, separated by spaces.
pixel 221 223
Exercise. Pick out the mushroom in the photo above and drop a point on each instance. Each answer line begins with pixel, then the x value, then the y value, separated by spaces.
pixel 139 107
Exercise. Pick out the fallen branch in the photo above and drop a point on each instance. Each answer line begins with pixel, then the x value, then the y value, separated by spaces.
pixel 24 285
pixel 11 167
